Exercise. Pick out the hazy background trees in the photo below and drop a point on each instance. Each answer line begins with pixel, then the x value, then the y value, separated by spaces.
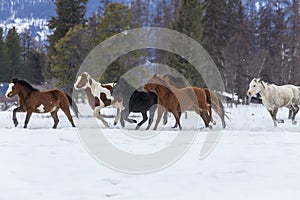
pixel 245 38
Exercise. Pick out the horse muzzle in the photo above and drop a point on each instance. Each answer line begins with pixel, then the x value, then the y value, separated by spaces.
pixel 9 95
pixel 249 94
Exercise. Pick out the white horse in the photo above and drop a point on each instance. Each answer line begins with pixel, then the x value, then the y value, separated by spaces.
pixel 99 95
pixel 274 97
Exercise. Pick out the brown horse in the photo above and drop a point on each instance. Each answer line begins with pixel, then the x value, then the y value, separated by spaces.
pixel 31 100
pixel 200 100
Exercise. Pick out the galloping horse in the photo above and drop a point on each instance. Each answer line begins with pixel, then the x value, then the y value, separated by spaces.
pixel 274 97
pixel 99 95
pixel 177 100
pixel 135 101
pixel 31 100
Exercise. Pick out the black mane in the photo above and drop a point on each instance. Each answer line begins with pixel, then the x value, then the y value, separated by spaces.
pixel 25 84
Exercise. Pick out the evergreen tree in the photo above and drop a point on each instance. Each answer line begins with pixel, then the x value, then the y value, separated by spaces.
pixel 117 18
pixel 2 64
pixel 188 22
pixel 71 50
pixel 69 13
pixel 12 54
pixel 214 30
pixel 32 59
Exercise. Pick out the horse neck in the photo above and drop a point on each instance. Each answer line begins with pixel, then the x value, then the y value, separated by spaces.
pixel 264 90
pixel 24 92
pixel 91 98
pixel 163 91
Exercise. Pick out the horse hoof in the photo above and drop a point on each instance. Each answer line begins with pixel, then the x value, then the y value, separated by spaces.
pixel 134 121
pixel 214 122
pixel 137 127
pixel 294 122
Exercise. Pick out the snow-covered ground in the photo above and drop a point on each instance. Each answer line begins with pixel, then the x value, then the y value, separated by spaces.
pixel 252 160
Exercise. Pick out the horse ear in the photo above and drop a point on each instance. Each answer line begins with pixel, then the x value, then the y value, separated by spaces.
pixel 258 80
pixel 90 81
pixel 14 80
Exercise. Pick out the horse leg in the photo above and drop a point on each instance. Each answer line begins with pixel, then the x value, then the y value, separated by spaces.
pixel 18 109
pixel 97 113
pixel 273 114
pixel 151 115
pixel 117 118
pixel 165 118
pixel 177 118
pixel 28 115
pixel 295 111
pixel 128 119
pixel 175 125
pixel 124 116
pixel 65 108
pixel 205 117
pixel 210 116
pixel 145 117
pixel 55 118
pixel 160 112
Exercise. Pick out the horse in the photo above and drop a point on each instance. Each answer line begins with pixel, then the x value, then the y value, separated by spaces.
pixel 99 95
pixel 274 97
pixel 177 100
pixel 31 100
pixel 178 83
pixel 135 101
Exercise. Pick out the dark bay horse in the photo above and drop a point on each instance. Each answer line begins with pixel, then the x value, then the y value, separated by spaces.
pixel 135 101
pixel 31 100
pixel 185 99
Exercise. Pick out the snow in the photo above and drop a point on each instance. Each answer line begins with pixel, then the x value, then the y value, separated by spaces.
pixel 252 160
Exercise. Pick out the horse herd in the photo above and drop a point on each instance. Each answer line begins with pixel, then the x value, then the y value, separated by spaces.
pixel 159 93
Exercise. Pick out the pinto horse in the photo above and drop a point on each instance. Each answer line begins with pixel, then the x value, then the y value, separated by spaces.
pixel 31 100
pixel 177 100
pixel 135 101
pixel 274 97
pixel 99 95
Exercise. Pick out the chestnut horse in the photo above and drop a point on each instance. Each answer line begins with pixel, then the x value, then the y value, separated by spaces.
pixel 31 100
pixel 200 100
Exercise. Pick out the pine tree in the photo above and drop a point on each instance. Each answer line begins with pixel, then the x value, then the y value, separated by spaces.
pixel 71 50
pixel 188 22
pixel 12 51
pixel 32 59
pixel 214 30
pixel 69 13
pixel 2 64
pixel 117 18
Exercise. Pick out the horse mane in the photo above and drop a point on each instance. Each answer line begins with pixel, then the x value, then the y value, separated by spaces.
pixel 164 80
pixel 25 84
pixel 175 81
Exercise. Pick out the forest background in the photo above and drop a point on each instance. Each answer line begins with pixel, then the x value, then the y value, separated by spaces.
pixel 244 39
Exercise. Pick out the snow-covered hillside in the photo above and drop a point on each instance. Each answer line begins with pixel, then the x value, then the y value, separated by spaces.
pixel 252 160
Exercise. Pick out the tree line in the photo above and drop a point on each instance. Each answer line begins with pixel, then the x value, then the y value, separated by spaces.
pixel 245 39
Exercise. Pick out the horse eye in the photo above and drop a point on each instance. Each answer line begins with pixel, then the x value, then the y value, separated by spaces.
pixel 254 85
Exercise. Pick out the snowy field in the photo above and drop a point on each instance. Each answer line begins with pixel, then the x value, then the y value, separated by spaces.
pixel 251 160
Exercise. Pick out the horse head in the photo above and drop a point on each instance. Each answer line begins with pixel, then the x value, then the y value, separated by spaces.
pixel 152 83
pixel 12 89
pixel 83 81
pixel 254 87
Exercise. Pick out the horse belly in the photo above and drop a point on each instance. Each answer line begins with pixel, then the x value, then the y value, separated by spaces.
pixel 44 108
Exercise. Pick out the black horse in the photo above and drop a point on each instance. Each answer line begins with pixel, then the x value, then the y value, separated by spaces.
pixel 134 101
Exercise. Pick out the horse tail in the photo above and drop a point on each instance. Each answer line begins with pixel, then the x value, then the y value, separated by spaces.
pixel 73 105
pixel 217 106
